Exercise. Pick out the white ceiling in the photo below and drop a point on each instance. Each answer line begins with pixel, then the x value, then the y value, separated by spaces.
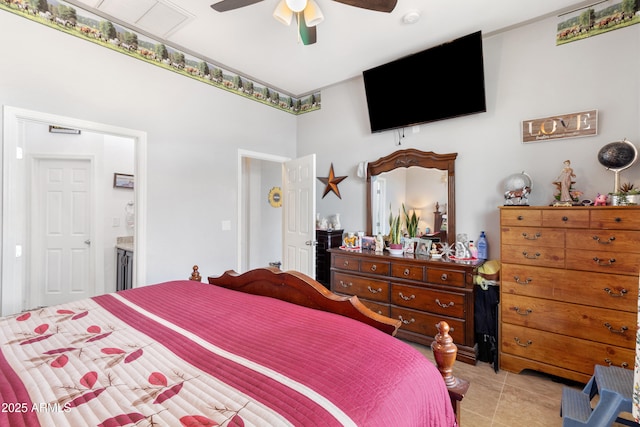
pixel 250 42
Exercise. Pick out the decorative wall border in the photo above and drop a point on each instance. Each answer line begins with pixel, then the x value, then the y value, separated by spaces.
pixel 88 26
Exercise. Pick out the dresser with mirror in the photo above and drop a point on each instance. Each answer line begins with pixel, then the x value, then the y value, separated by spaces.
pixel 417 289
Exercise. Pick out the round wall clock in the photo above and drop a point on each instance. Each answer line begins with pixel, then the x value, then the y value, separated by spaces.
pixel 275 197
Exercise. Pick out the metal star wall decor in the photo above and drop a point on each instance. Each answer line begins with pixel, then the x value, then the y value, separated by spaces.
pixel 332 182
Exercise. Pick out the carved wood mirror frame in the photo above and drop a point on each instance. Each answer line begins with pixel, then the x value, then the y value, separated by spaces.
pixel 425 159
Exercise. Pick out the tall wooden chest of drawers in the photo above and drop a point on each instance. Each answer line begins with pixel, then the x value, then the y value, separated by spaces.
pixel 416 289
pixel 569 288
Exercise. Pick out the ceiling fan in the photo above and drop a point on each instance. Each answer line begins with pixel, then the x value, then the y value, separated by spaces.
pixel 307 12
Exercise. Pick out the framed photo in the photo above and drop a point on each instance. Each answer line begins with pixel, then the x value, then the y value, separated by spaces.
pixel 121 180
pixel 424 246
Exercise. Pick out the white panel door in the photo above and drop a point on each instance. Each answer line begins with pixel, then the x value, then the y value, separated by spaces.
pixel 61 254
pixel 299 204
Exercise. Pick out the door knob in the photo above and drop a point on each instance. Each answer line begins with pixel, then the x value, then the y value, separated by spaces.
pixel 87 242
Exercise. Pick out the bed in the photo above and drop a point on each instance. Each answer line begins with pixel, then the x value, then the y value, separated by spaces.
pixel 263 348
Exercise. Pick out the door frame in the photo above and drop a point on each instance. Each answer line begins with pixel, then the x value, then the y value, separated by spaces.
pixel 13 233
pixel 242 223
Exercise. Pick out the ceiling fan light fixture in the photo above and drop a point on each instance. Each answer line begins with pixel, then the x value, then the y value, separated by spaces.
pixel 282 13
pixel 296 5
pixel 312 14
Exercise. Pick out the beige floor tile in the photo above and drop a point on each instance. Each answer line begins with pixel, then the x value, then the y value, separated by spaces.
pixel 518 406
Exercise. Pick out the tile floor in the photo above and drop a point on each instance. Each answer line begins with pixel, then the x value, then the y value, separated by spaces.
pixel 505 399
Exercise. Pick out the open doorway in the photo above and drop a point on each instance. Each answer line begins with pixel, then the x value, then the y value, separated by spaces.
pixel 19 166
pixel 260 230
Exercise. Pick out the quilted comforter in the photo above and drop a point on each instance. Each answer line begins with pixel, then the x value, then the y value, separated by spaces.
pixel 192 354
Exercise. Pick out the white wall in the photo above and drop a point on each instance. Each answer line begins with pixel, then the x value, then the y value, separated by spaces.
pixel 194 132
pixel 527 76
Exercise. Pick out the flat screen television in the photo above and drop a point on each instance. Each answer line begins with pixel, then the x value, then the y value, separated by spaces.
pixel 438 83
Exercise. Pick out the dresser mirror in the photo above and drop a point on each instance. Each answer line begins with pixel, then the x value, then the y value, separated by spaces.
pixel 423 180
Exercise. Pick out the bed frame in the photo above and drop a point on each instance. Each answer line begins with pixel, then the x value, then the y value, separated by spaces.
pixel 297 288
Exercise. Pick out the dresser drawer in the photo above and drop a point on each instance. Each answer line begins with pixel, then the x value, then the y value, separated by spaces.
pixel 521 217
pixel 446 277
pixel 424 323
pixel 530 255
pixel 410 272
pixel 580 321
pixel 375 267
pixel 346 263
pixel 570 353
pixel 627 218
pixel 533 236
pixel 603 262
pixel 376 290
pixel 447 303
pixel 567 218
pixel 604 240
pixel 602 290
pixel 383 309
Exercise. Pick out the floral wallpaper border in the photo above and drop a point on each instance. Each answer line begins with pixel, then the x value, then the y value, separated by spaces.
pixel 80 23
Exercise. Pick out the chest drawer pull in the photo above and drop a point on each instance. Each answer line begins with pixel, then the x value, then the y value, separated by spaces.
pixel 604 263
pixel 406 322
pixel 527 344
pixel 621 331
pixel 604 242
pixel 526 312
pixel 520 218
pixel 374 267
pixel 527 236
pixel 345 263
pixel 610 363
pixel 406 272
pixel 534 256
pixel 522 282
pixel 406 298
pixel 374 291
pixel 444 277
pixel 450 304
pixel 345 285
pixel 622 293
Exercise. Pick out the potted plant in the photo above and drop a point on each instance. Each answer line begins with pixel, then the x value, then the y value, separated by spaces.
pixel 411 221
pixel 395 232
pixel 626 195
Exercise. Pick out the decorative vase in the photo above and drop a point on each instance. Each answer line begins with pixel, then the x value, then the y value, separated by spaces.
pixel 396 248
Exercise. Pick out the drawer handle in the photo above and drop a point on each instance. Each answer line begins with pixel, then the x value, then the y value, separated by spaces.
pixel 604 242
pixel 610 363
pixel 345 263
pixel 406 272
pixel 604 263
pixel 527 344
pixel 520 218
pixel 444 277
pixel 374 291
pixel 620 331
pixel 374 267
pixel 406 298
pixel 532 237
pixel 622 293
pixel 406 322
pixel 565 219
pixel 522 282
pixel 527 256
pixel 618 219
pixel 345 285
pixel 526 312
pixel 450 304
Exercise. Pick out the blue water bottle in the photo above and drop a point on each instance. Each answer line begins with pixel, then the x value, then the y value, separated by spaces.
pixel 483 246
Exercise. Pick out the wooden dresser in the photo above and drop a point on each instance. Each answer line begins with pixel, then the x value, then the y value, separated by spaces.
pixel 569 288
pixel 415 289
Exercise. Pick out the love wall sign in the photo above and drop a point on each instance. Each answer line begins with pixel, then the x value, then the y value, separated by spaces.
pixel 573 125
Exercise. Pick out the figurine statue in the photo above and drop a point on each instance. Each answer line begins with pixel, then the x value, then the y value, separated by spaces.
pixel 601 200
pixel 379 243
pixel 564 180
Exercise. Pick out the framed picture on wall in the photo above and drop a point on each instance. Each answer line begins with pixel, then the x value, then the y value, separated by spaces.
pixel 121 180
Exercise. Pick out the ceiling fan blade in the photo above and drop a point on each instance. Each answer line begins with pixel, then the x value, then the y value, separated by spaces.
pixel 307 34
pixel 377 5
pixel 225 5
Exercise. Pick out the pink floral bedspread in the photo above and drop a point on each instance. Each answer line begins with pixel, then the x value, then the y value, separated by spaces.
pixel 192 354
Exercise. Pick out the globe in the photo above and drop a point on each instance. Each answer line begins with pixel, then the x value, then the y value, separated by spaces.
pixel 617 155
pixel 517 188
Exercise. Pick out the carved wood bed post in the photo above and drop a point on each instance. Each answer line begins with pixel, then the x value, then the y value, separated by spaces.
pixel 444 353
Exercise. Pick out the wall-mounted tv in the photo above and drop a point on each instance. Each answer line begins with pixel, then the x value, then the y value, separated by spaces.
pixel 438 83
